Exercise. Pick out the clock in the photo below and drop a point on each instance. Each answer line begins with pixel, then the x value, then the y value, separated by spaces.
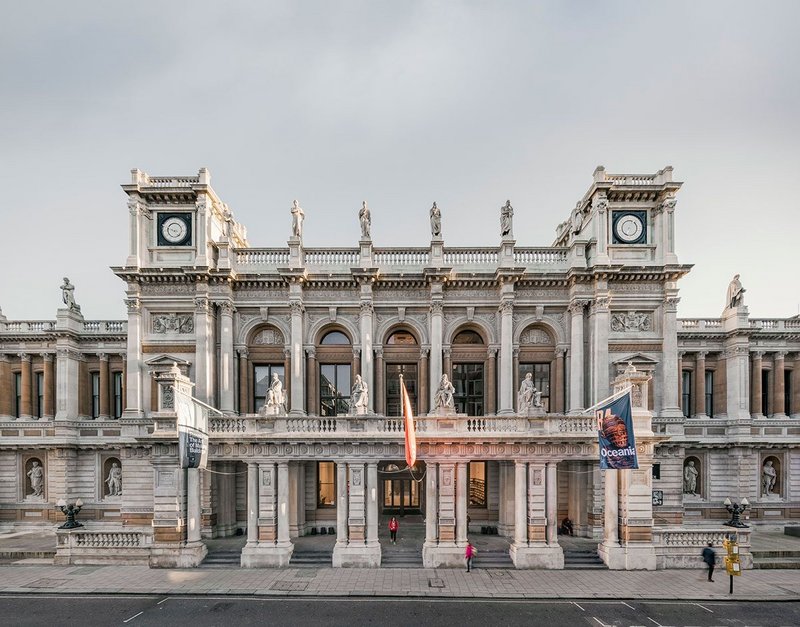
pixel 174 229
pixel 629 227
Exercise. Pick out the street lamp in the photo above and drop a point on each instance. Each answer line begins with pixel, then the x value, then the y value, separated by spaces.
pixel 70 511
pixel 736 511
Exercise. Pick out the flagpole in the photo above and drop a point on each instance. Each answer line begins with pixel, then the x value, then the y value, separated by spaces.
pixel 198 401
pixel 622 392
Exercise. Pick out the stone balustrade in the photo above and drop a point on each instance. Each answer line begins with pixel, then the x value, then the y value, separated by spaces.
pixel 401 257
pixel 347 257
pixel 540 256
pixel 775 324
pixel 98 546
pixel 682 547
pixel 700 324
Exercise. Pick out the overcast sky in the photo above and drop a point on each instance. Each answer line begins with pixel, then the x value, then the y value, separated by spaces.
pixel 401 104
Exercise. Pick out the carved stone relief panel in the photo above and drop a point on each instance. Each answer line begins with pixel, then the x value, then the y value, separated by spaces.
pixel 270 337
pixel 173 323
pixel 631 321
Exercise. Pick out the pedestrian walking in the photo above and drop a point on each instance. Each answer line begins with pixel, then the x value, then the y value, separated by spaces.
pixel 709 557
pixel 393 527
pixel 469 553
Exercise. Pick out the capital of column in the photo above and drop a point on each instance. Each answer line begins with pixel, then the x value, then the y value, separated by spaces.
pixel 356 352
pixel 492 351
pixel 506 306
pixel 311 352
pixel 668 205
pixel 202 304
pixel 225 307
pixel 437 307
pixel 47 358
pixel 366 308
pixel 243 353
pixel 779 355
pixel 671 303
pixel 600 203
pixel 701 354
pixel 576 307
pixel 601 303
pixel 378 352
pixel 757 355
pixel 423 352
pixel 134 305
pixel 25 357
pixel 561 351
pixel 296 307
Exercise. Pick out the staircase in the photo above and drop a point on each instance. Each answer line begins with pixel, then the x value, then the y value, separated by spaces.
pixel 493 558
pixel 227 558
pixel 303 557
pixel 776 559
pixel 405 557
pixel 583 558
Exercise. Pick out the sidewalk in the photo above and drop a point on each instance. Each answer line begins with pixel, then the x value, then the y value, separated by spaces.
pixel 764 585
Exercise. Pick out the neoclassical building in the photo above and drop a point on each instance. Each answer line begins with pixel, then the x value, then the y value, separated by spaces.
pixel 87 408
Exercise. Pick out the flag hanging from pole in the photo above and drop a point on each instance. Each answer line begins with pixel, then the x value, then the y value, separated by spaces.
pixel 408 420
pixel 615 434
pixel 192 430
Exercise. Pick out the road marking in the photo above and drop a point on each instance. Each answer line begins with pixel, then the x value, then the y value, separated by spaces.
pixel 132 617
pixel 599 622
pixel 626 605
pixel 656 622
pixel 162 601
pixel 578 606
pixel 704 607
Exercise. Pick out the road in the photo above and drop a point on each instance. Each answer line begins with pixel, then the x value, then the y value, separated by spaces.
pixel 139 611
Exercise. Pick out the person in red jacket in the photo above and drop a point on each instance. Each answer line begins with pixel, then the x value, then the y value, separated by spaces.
pixel 469 553
pixel 393 527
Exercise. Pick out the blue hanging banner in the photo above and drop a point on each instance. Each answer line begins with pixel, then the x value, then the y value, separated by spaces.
pixel 615 435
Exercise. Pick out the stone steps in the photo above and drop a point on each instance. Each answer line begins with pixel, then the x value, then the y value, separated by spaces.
pixel 310 559
pixel 583 559
pixel 490 558
pixel 394 557
pixel 772 563
pixel 222 559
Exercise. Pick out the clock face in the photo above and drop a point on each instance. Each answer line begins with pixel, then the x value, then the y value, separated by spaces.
pixel 174 230
pixel 629 228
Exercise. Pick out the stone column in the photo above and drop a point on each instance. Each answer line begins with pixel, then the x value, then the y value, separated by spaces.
pixel 611 509
pixel 447 513
pixel 311 377
pixel 244 377
pixel 558 382
pixel 365 326
pixel 491 378
pixel 795 409
pixel 552 504
pixel 357 366
pixel 138 213
pixel 193 508
pixel 576 356
pixel 203 388
pixel 462 493
pixel 757 404
pixel 372 504
pixel 298 367
pixel 283 504
pixel 47 394
pixel 226 392
pixel 341 503
pixel 380 384
pixel 600 339
pixel 779 399
pixel 436 351
pixel 104 386
pixel 520 504
pixel 700 385
pixel 25 393
pixel 447 368
pixel 124 359
pixel 357 508
pixel 422 395
pixel 515 370
pixel 431 504
pixel 287 376
pixel 506 357
pixel 6 381
pixel 669 231
pixel 67 384
pixel 669 370
pixel 680 379
pixel 252 503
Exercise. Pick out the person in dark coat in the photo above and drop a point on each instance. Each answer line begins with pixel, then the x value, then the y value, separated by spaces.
pixel 709 557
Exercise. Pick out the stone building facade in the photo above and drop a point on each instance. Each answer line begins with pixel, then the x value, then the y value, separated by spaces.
pixel 716 401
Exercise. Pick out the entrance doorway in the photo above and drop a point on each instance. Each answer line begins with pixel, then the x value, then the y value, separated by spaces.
pixel 401 489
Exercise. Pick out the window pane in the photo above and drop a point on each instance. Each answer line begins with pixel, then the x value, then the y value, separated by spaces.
pixel 95 394
pixel 262 378
pixel 401 337
pixel 393 400
pixel 326 480
pixel 334 389
pixel 686 395
pixel 335 338
pixel 117 394
pixel 39 394
pixel 541 379
pixel 468 383
pixel 477 484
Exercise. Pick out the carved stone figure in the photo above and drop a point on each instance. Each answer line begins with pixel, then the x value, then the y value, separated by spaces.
pixel 537 397
pixel 365 219
pixel 36 476
pixel 631 321
pixel 506 217
pixel 526 390
pixel 768 478
pixel 68 295
pixel 436 221
pixel 735 293
pixel 359 395
pixel 297 219
pixel 577 219
pixel 114 480
pixel 690 474
pixel 443 399
pixel 275 396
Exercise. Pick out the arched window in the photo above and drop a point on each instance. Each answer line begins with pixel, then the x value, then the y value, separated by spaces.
pixel 403 338
pixel 468 337
pixel 335 338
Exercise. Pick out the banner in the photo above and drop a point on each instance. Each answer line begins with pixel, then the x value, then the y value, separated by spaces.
pixel 192 431
pixel 615 434
pixel 408 419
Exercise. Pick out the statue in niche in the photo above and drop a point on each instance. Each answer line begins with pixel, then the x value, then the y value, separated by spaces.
pixel 443 399
pixel 690 474
pixel 769 477
pixel 68 295
pixel 735 293
pixel 275 396
pixel 36 476
pixel 114 480
pixel 297 219
pixel 365 220
pixel 506 217
pixel 436 221
pixel 359 395
pixel 526 391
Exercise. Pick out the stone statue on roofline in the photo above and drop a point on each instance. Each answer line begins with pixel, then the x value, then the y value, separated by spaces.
pixel 365 219
pixel 506 220
pixel 736 292
pixel 68 295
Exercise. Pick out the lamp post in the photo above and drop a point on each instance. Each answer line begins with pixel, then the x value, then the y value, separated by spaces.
pixel 70 511
pixel 736 510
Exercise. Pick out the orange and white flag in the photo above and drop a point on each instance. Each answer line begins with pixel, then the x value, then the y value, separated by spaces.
pixel 408 420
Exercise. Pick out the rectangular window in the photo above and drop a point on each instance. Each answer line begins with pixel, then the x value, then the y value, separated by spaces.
pixel 40 394
pixel 709 400
pixel 334 389
pixel 787 393
pixel 393 402
pixel 262 378
pixel 95 386
pixel 476 473
pixel 17 395
pixel 117 394
pixel 541 380
pixel 468 383
pixel 686 392
pixel 326 484
pixel 765 406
